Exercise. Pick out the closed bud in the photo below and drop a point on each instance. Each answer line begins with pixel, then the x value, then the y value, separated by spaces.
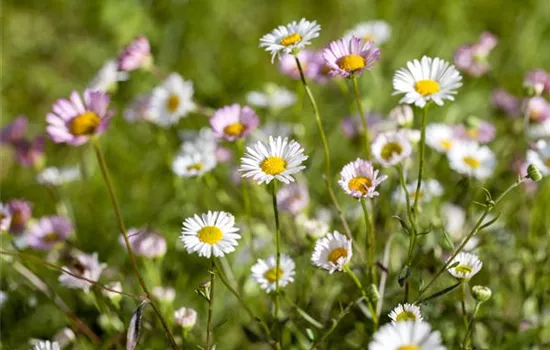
pixel 481 293
pixel 533 173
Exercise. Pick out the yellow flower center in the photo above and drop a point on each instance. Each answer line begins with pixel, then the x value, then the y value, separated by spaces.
pixel 463 269
pixel 426 87
pixel 472 162
pixel 351 63
pixel 368 38
pixel 406 316
pixel 360 183
pixel 336 254
pixel 446 144
pixel 412 195
pixel 408 347
pixel 17 219
pixel 291 39
pixel 196 166
pixel 473 133
pixel 84 124
pixel 547 162
pixel 273 165
pixel 235 129
pixel 271 274
pixel 210 234
pixel 173 103
pixel 50 237
pixel 390 149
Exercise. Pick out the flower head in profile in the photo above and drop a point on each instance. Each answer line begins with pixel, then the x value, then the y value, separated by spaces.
pixel 359 179
pixel 291 38
pixel 539 156
pixel 350 56
pixel 107 77
pixel 53 176
pixel 430 79
pixel 5 217
pixel 405 312
pixel 391 148
pixel 49 231
pixel 293 198
pixel 465 266
pixel 46 345
pixel 407 335
pixel 212 233
pixel 83 265
pixel 15 130
pixel 21 212
pixel 476 130
pixel 441 137
pixel 277 159
pixel 471 159
pixel 171 101
pixel 272 97
pixel 136 55
pixel 73 121
pixel 264 272
pixel 146 242
pixel 234 122
pixel 185 317
pixel 472 58
pixel 332 252
pixel 377 31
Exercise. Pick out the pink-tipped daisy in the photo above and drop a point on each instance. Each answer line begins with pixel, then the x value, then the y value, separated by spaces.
pixel 359 179
pixel 74 121
pixel 234 122
pixel 136 55
pixel 48 231
pixel 350 56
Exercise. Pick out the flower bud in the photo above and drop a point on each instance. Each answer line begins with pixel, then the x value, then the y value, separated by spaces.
pixel 481 293
pixel 533 172
pixel 185 317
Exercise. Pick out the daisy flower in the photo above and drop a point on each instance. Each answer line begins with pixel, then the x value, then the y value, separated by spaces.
pixel 146 242
pixel 272 97
pixel 405 312
pixel 53 176
pixel 467 265
pixel 538 80
pixel 429 189
pixel 5 217
pixel 293 198
pixel 377 31
pixel 192 162
pixel 46 345
pixel 278 159
pixel 441 137
pixel 332 252
pixel 408 335
pixel 73 121
pixel 430 79
pixel 185 317
pixel 48 231
pixel 212 233
pixel 136 55
pixel 264 272
pixel 476 130
pixel 540 157
pixel 472 58
pixel 86 266
pixel 170 101
pixel 234 122
pixel 15 130
pixel 21 212
pixel 390 148
pixel 350 56
pixel 471 159
pixel 291 38
pixel 107 77
pixel 359 179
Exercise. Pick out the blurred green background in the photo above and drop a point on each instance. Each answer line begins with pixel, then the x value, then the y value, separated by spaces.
pixel 50 48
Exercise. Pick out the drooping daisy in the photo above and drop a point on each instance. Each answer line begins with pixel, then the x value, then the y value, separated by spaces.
pixel 86 266
pixel 429 188
pixel 46 345
pixel 74 121
pixel 332 252
pixel 107 77
pixel 191 163
pixel 278 159
pixel 264 272
pixel 293 198
pixel 408 335
pixel 5 218
pixel 467 265
pixel 472 58
pixel 291 38
pixel 212 233
pixel 185 317
pixel 390 148
pixel 441 137
pixel 540 157
pixel 350 56
pixel 469 158
pixel 234 122
pixel 359 179
pixel 476 130
pixel 405 312
pixel 170 101
pixel 146 242
pixel 48 231
pixel 377 31
pixel 430 79
pixel 272 97
pixel 136 55
pixel 53 176
pixel 21 212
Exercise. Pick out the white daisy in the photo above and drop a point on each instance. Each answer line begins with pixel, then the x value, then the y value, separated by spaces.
pixel 539 130
pixel 278 159
pixel 86 266
pixel 467 265
pixel 332 252
pixel 429 189
pixel 57 176
pixel 290 38
pixel 193 162
pixel 408 335
pixel 430 79
pixel 211 233
pixel 441 137
pixel 359 179
pixel 264 272
pixel 471 159
pixel 272 97
pixel 377 31
pixel 392 147
pixel 46 345
pixel 107 77
pixel 171 101
pixel 405 312
pixel 540 157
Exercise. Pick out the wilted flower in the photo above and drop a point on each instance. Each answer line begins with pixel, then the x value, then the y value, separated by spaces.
pixel 146 242
pixel 107 77
pixel 377 31
pixel 350 56
pixel 272 97
pixel 408 335
pixel 405 312
pixel 136 55
pixel 21 212
pixel 293 198
pixel 291 38
pixel 264 272
pixel 171 101
pixel 332 252
pixel 84 265
pixel 472 58
pixel 48 231
pixel 359 179
pixel 53 176
pixel 471 159
pixel 234 122
pixel 185 317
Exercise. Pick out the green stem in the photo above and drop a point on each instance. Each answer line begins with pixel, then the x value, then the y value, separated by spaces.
pixel 421 164
pixel 133 261
pixel 467 340
pixel 463 302
pixel 246 200
pixel 210 305
pixel 362 115
pixel 278 244
pixel 304 314
pixel 370 241
pixel 370 305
